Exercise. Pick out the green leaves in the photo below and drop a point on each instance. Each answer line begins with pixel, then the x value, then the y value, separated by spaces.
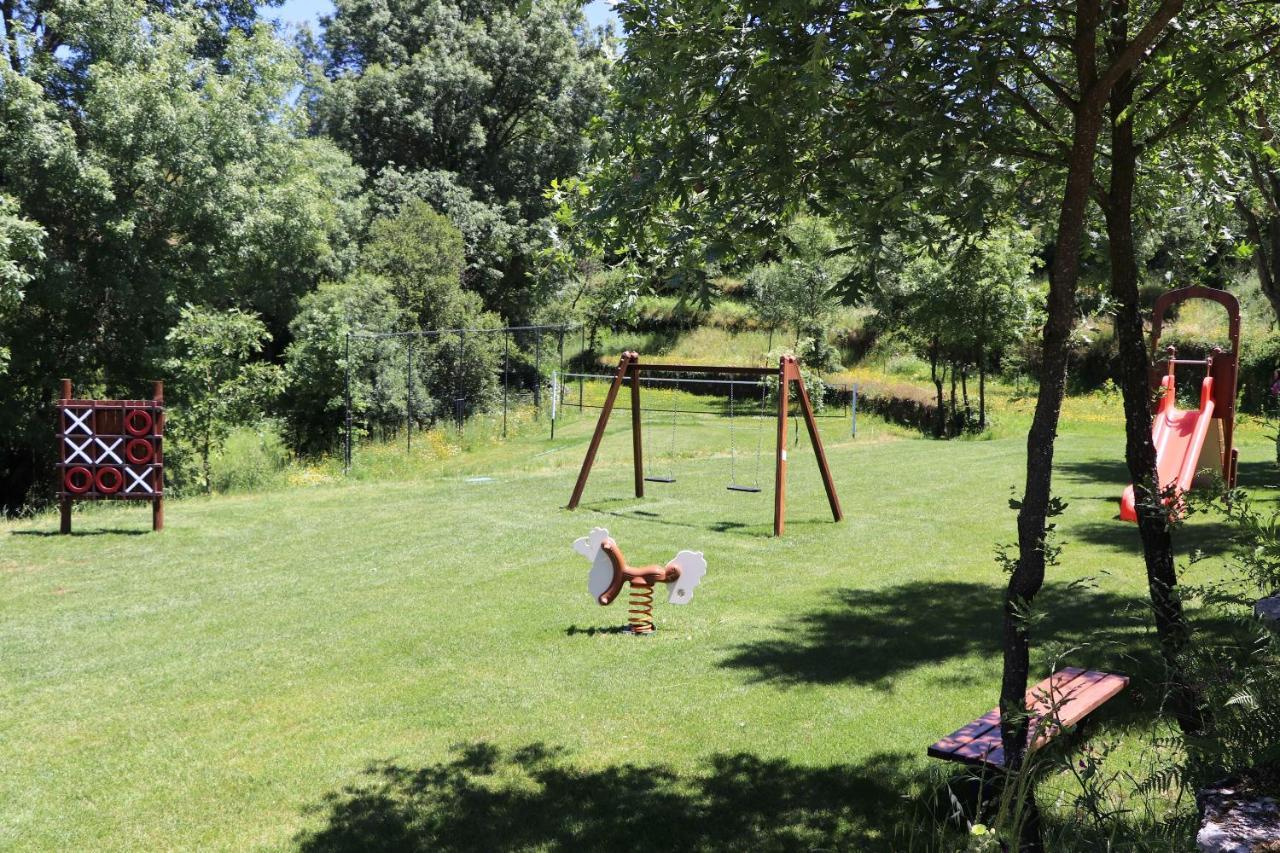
pixel 419 253
pixel 157 150
pixel 475 107
pixel 215 379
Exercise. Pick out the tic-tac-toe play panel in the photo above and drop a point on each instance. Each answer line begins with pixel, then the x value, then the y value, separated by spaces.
pixel 111 450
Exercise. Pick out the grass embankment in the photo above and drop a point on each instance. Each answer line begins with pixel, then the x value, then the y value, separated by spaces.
pixel 409 656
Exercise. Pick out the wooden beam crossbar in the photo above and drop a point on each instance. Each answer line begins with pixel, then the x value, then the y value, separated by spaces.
pixel 705 368
pixel 631 369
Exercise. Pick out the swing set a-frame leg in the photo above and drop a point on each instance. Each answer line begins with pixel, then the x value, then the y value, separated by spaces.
pixel 790 372
pixel 780 454
pixel 637 443
pixel 624 365
pixel 816 440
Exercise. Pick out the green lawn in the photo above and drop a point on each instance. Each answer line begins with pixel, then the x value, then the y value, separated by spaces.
pixel 384 662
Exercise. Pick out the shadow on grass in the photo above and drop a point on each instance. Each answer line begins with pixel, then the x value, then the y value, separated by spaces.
pixel 488 798
pixel 574 630
pixel 1112 471
pixel 1249 474
pixel 1208 535
pixel 102 531
pixel 872 637
pixel 756 531
pixel 1211 538
pixel 759 530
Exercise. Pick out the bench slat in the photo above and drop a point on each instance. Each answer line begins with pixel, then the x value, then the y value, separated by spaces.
pixel 991 720
pixel 1044 727
pixel 1075 692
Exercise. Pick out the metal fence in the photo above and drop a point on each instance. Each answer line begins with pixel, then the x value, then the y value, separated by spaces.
pixel 525 353
pixel 545 343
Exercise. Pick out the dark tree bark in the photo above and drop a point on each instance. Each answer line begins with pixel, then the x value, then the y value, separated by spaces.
pixel 982 387
pixel 1134 381
pixel 1028 572
pixel 951 416
pixel 1033 514
pixel 1263 227
pixel 1027 576
pixel 941 417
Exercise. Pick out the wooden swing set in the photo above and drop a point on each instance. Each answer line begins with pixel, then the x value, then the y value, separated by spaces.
pixel 631 370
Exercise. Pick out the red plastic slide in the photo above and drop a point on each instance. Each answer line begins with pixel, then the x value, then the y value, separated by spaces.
pixel 1179 437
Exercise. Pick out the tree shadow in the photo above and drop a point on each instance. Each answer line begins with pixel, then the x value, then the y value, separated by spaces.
pixel 1113 471
pixel 871 637
pixel 488 798
pixel 1206 534
pixel 1249 474
pixel 1209 538
pixel 757 531
pixel 102 531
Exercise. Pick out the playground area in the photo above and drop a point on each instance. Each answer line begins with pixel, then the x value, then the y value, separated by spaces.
pixel 383 662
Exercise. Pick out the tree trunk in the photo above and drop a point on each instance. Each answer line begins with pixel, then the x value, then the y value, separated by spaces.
pixel 951 416
pixel 204 457
pixel 982 387
pixel 1263 232
pixel 940 419
pixel 1135 383
pixel 1027 576
pixel 964 395
pixel 1262 228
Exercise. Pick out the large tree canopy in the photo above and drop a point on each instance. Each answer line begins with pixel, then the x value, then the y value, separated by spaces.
pixel 158 176
pixel 734 115
pixel 487 101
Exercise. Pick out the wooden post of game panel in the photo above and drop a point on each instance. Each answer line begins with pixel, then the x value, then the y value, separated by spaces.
pixel 64 502
pixel 157 503
pixel 780 461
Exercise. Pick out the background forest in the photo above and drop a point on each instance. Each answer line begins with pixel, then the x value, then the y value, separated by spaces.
pixel 967 211
pixel 190 182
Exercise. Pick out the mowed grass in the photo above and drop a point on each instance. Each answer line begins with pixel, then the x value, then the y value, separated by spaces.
pixel 414 661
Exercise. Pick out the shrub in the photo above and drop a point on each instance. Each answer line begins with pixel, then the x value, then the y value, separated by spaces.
pixel 419 253
pixel 251 459
pixel 217 384
pixel 899 403
pixel 314 400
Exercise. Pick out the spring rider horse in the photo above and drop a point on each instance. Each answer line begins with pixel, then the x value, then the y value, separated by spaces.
pixel 609 571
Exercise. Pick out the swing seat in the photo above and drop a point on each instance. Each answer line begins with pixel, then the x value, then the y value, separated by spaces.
pixel 659 479
pixel 737 488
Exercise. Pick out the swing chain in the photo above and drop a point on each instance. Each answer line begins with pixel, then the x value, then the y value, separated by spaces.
pixel 733 444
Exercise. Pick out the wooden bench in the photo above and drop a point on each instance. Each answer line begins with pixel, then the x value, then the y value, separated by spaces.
pixel 1059 702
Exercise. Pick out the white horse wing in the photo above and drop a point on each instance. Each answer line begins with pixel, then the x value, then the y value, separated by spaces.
pixel 588 545
pixel 692 567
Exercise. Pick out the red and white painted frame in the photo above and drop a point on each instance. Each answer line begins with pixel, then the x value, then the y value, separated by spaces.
pixel 111 450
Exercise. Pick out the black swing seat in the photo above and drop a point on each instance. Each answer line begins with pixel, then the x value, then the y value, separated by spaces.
pixel 737 488
pixel 659 479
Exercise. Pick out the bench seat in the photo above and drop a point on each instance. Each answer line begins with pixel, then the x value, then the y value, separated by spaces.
pixel 1074 693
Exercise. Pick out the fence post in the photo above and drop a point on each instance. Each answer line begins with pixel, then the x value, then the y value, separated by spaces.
pixel 506 367
pixel 555 394
pixel 346 456
pixel 537 371
pixel 458 399
pixel 582 366
pixel 408 401
pixel 853 409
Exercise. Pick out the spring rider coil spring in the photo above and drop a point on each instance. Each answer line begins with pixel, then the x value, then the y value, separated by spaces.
pixel 640 610
pixel 609 571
